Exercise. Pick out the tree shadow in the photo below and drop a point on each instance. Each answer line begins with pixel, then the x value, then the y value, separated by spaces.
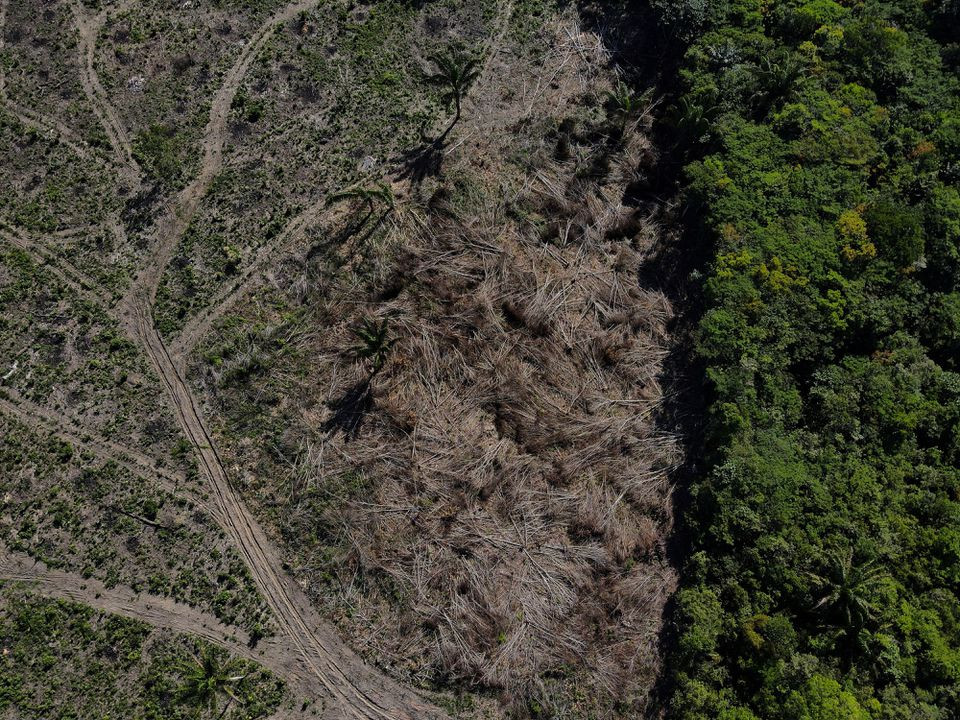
pixel 350 410
pixel 359 222
pixel 671 269
pixel 423 160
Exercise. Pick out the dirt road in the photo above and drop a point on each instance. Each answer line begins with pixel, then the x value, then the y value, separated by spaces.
pixel 162 612
pixel 88 27
pixel 356 689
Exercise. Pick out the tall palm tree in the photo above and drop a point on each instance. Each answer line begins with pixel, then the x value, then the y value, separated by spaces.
pixel 373 343
pixel 846 591
pixel 208 679
pixel 457 70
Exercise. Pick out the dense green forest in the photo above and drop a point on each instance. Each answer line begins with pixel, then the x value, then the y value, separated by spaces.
pixel 821 151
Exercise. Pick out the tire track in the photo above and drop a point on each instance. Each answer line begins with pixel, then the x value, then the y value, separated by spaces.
pixel 159 612
pixel 52 127
pixel 87 29
pixel 67 273
pixel 199 325
pixel 172 225
pixel 133 461
pixel 342 673
pixel 326 665
pixel 346 679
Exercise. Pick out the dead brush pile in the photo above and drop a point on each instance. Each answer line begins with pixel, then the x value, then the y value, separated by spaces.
pixel 515 491
pixel 488 509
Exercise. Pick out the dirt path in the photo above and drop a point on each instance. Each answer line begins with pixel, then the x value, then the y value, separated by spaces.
pixel 171 226
pixel 133 461
pixel 53 129
pixel 63 270
pixel 160 612
pixel 307 647
pixel 88 27
pixel 51 126
pixel 309 655
pixel 355 689
pixel 199 325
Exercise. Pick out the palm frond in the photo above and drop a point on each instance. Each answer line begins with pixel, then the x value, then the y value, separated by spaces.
pixel 374 342
pixel 381 192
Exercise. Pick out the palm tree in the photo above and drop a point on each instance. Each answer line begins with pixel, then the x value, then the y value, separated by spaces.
pixel 374 343
pixel 623 103
pixel 847 589
pixel 778 78
pixel 456 70
pixel 208 679
pixel 381 192
pixel 695 119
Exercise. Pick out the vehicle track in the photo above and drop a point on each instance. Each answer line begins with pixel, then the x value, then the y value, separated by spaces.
pixel 199 325
pixel 358 691
pixel 174 222
pixel 63 270
pixel 346 678
pixel 51 126
pixel 328 666
pixel 133 461
pixel 88 27
pixel 159 612
pixel 53 129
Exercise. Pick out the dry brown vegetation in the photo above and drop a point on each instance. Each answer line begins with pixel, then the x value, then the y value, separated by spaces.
pixel 491 507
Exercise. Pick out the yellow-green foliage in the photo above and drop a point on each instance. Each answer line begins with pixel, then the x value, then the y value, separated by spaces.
pixel 825 557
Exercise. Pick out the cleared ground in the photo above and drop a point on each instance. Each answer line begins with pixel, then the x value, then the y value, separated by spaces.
pixel 481 511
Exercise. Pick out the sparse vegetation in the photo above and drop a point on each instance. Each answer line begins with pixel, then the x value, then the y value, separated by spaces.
pixel 61 659
pixel 72 510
